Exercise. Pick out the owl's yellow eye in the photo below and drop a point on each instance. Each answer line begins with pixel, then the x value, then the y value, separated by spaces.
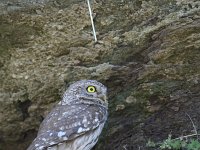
pixel 91 89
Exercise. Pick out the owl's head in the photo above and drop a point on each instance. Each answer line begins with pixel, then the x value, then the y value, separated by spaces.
pixel 89 91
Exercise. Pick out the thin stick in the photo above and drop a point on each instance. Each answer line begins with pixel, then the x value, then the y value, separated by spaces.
pixel 191 135
pixel 93 28
pixel 125 147
pixel 195 129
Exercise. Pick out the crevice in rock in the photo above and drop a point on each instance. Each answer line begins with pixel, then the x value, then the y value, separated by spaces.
pixel 23 108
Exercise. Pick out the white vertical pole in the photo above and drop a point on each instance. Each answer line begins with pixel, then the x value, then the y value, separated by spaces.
pixel 93 28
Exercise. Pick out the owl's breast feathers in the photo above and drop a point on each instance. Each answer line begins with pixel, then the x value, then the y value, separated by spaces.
pixel 67 122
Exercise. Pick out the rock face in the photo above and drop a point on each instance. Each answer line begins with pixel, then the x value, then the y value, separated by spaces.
pixel 14 5
pixel 148 55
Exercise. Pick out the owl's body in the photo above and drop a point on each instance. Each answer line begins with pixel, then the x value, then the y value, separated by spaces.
pixel 84 142
pixel 77 121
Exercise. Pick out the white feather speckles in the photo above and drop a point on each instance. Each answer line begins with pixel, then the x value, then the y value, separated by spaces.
pixel 79 123
pixel 65 138
pixel 95 121
pixel 62 128
pixel 52 143
pixel 84 120
pixel 65 113
pixel 41 147
pixel 90 116
pixel 82 129
pixel 61 133
pixel 50 134
pixel 73 125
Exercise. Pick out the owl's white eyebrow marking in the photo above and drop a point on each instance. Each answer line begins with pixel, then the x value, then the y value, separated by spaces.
pixel 61 133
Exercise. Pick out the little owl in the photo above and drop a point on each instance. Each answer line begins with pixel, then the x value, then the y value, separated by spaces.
pixel 77 120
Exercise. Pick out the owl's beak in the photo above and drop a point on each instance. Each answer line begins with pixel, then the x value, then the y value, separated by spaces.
pixel 103 97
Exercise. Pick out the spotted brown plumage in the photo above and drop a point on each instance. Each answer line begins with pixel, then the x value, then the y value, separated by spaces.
pixel 77 120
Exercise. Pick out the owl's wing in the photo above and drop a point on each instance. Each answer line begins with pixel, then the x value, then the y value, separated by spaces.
pixel 66 122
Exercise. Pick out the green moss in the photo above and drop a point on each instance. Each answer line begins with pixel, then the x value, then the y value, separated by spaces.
pixel 147 90
pixel 175 144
